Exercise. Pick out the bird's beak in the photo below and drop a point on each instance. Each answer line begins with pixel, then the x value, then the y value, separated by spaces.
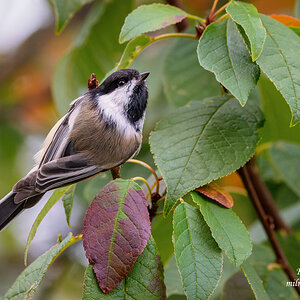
pixel 144 75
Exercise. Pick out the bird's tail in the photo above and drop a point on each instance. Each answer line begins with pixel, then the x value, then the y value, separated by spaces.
pixel 8 209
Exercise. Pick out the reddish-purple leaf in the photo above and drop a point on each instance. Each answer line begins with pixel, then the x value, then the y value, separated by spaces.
pixel 116 230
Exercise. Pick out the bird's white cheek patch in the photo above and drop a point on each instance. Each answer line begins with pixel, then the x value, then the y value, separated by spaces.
pixel 112 107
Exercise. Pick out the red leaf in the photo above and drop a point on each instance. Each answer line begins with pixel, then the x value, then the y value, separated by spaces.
pixel 116 231
pixel 287 20
pixel 216 192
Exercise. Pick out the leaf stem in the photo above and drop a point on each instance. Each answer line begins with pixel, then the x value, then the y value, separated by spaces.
pixel 225 16
pixel 143 180
pixel 193 17
pixel 213 8
pixel 142 163
pixel 263 147
pixel 174 34
pixel 267 224
pixel 220 10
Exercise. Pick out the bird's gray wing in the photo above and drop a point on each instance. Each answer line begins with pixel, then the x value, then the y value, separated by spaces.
pixel 64 171
pixel 59 145
pixel 60 165
pixel 54 174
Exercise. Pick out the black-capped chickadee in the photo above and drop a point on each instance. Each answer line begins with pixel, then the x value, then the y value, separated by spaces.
pixel 102 130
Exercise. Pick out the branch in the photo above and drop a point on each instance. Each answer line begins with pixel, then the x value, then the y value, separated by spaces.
pixel 115 172
pixel 266 199
pixel 267 224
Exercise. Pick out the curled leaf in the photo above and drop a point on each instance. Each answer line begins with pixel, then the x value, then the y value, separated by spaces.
pixel 216 192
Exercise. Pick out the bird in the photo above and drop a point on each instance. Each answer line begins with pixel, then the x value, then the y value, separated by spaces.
pixel 101 130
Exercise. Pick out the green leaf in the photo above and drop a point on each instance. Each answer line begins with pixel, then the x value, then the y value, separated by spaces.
pixel 285 157
pixel 94 51
pixel 198 256
pixel 222 50
pixel 149 18
pixel 162 229
pixel 254 281
pixel 296 30
pixel 57 194
pixel 247 16
pixel 184 80
pixel 64 10
pixel 67 200
pixel 172 279
pixel 227 229
pixel 273 276
pixel 290 245
pixel 280 61
pixel 132 50
pixel 277 114
pixel 28 281
pixel 145 280
pixel 277 288
pixel 202 142
pixel 297 9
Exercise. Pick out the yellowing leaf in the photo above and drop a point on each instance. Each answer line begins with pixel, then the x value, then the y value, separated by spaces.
pixel 216 192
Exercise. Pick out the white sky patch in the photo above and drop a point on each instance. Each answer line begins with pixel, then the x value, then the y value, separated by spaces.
pixel 19 19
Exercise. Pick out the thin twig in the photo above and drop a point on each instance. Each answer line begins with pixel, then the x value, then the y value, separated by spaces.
pixel 143 180
pixel 220 10
pixel 268 226
pixel 213 8
pixel 142 163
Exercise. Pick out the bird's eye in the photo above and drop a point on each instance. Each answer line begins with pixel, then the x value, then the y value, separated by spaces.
pixel 121 82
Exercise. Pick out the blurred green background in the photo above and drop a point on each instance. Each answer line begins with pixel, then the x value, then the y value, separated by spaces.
pixel 29 84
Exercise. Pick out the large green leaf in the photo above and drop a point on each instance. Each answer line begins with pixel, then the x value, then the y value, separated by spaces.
pixel 247 16
pixel 184 79
pixel 52 200
pixel 222 51
pixel 254 281
pixel 285 157
pixel 149 18
pixel 145 280
pixel 198 256
pixel 64 10
pixel 280 61
pixel 28 281
pixel 202 142
pixel 227 229
pixel 94 51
